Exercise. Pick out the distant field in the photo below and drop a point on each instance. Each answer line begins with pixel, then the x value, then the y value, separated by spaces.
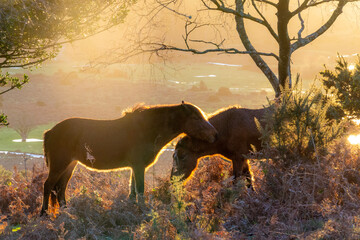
pixel 183 74
pixel 8 134
pixel 212 74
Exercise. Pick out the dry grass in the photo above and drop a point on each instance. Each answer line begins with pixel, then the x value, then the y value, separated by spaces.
pixel 298 201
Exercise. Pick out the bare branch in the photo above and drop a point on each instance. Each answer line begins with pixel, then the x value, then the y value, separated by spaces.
pixel 207 6
pixel 188 32
pixel 194 26
pixel 162 47
pixel 301 8
pixel 221 7
pixel 217 45
pixel 268 2
pixel 311 37
pixel 172 10
pixel 266 23
pixel 236 13
pixel 313 3
pixel 189 29
pixel 301 22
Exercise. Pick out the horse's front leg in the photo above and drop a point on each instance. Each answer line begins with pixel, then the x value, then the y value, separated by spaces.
pixel 246 171
pixel 132 194
pixel 237 162
pixel 137 184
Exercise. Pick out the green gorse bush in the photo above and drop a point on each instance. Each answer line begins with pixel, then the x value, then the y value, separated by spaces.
pixel 298 124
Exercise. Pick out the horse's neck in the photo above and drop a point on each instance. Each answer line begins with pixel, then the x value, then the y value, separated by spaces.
pixel 162 127
pixel 167 132
pixel 170 122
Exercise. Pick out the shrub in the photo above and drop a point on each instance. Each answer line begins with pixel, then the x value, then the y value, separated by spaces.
pixel 303 200
pixel 5 176
pixel 159 227
pixel 3 120
pixel 298 126
pixel 344 83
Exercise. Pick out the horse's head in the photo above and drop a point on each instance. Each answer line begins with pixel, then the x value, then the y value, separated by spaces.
pixel 185 158
pixel 196 124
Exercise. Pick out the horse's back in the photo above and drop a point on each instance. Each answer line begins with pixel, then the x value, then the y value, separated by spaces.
pixel 237 118
pixel 238 128
pixel 65 131
pixel 76 126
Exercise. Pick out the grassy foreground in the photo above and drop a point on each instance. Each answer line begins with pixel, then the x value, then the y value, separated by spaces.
pixel 300 200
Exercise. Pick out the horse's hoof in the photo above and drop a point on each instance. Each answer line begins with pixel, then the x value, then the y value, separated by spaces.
pixel 141 199
pixel 132 197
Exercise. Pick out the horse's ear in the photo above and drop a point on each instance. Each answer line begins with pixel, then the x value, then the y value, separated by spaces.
pixel 185 106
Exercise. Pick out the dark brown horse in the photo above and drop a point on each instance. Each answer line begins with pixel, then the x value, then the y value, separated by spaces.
pixel 133 140
pixel 237 131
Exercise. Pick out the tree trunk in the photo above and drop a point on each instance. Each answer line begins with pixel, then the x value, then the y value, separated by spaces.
pixel 240 27
pixel 284 16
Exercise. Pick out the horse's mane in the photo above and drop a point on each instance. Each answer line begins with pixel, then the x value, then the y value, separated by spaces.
pixel 139 107
pixel 224 109
pixel 231 108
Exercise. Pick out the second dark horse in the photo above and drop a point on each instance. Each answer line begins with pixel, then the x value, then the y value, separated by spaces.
pixel 237 131
pixel 133 140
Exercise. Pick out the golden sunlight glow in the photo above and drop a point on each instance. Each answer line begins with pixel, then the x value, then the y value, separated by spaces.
pixel 356 121
pixel 354 139
pixel 351 67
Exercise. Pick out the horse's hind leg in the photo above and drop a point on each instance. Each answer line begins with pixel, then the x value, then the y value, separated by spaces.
pixel 48 186
pixel 57 168
pixel 241 167
pixel 61 185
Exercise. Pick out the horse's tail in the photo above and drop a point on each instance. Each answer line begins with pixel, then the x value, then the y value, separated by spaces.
pixel 46 144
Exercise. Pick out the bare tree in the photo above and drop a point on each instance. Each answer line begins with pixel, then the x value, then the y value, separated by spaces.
pixel 23 123
pixel 260 12
pixel 23 127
